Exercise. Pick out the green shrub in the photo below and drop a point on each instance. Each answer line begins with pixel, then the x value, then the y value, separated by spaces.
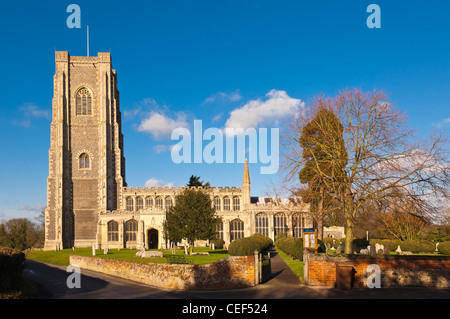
pixel 246 246
pixel 391 244
pixel 218 243
pixel 291 246
pixel 444 247
pixel 417 246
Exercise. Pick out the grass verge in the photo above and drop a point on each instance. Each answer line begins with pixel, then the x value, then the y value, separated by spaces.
pixel 61 258
pixel 295 265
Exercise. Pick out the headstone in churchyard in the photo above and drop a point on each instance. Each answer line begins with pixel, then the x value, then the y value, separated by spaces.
pixel 398 250
pixel 213 247
pixel 386 250
pixel 364 251
pixel 105 251
pixel 372 250
pixel 93 250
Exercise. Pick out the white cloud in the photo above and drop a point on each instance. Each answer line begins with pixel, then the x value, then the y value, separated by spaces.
pixel 160 148
pixel 442 123
pixel 154 182
pixel 255 113
pixel 34 208
pixel 31 110
pixel 224 97
pixel 160 125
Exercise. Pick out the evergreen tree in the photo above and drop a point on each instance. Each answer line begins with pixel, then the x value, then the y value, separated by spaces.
pixel 325 160
pixel 194 181
pixel 192 218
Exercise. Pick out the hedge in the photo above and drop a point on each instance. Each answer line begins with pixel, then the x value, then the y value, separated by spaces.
pixel 218 243
pixel 444 247
pixel 417 246
pixel 291 246
pixel 246 246
pixel 391 244
pixel 12 263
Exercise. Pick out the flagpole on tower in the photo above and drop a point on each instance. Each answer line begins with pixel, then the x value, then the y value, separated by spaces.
pixel 87 40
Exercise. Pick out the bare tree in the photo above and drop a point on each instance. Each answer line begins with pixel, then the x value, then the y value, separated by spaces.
pixel 384 155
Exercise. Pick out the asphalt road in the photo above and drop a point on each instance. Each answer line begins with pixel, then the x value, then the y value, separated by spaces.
pixel 284 285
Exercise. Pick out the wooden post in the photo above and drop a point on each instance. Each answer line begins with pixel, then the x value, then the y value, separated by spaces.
pixel 256 268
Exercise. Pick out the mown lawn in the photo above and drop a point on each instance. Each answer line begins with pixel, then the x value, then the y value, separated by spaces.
pixel 295 265
pixel 61 258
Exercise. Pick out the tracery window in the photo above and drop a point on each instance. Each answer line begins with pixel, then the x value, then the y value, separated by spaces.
pixel 113 231
pixel 279 223
pixel 226 203
pixel 236 229
pixel 262 224
pixel 139 203
pixel 130 203
pixel 217 202
pixel 84 102
pixel 236 203
pixel 131 229
pixel 84 162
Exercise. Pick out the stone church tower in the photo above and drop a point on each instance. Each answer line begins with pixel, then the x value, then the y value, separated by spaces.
pixel 86 161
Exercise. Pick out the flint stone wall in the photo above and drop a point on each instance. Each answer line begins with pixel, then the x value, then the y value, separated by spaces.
pixel 396 271
pixel 229 273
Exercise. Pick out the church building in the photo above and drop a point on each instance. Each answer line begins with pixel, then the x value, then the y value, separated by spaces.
pixel 88 200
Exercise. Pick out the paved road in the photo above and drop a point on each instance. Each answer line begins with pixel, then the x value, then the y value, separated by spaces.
pixel 283 285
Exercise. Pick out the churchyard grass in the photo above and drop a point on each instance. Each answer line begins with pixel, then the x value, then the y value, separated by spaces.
pixel 61 258
pixel 295 265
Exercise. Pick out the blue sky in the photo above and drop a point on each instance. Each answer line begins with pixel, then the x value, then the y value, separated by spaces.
pixel 216 61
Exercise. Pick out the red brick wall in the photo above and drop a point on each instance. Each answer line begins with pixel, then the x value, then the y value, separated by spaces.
pixel 430 271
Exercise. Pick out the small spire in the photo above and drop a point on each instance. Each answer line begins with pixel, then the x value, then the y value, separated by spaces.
pixel 246 178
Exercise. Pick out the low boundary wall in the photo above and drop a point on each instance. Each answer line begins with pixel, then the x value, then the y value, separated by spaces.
pixel 228 273
pixel 395 271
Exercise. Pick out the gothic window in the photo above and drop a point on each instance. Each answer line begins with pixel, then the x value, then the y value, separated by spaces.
pixel 262 224
pixel 149 202
pixel 219 230
pixel 159 203
pixel 131 229
pixel 84 161
pixel 279 224
pixel 236 229
pixel 113 231
pixel 130 203
pixel 139 203
pixel 236 203
pixel 169 203
pixel 298 223
pixel 84 102
pixel 226 203
pixel 217 202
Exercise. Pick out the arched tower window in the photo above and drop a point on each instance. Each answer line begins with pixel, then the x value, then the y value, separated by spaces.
pixel 84 161
pixel 84 102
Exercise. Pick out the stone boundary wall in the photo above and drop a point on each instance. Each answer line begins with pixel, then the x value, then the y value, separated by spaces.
pixel 396 271
pixel 228 273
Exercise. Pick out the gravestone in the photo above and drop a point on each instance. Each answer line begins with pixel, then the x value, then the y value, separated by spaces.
pixel 93 250
pixel 372 250
pixel 364 251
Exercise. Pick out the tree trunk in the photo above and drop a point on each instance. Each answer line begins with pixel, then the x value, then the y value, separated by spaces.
pixel 349 230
